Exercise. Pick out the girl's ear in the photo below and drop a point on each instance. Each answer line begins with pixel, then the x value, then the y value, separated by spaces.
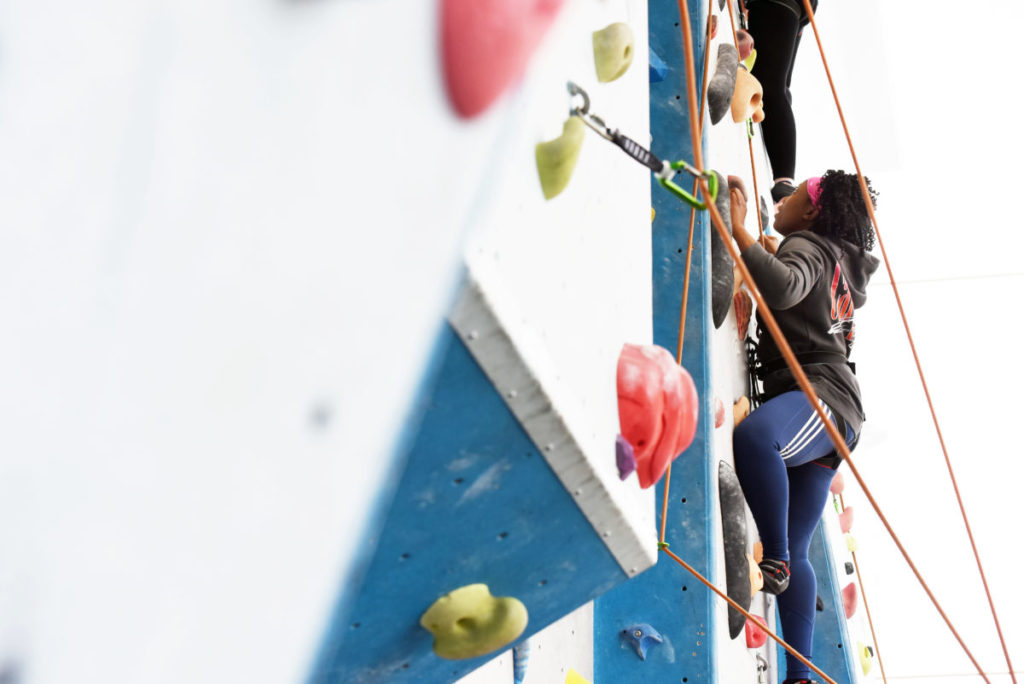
pixel 810 213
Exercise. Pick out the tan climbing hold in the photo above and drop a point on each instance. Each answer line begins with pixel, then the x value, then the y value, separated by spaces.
pixel 746 97
pixel 740 410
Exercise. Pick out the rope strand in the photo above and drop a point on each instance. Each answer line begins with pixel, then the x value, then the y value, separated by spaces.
pixel 910 338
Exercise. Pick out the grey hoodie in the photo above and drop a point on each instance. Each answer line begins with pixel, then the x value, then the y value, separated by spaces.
pixel 812 285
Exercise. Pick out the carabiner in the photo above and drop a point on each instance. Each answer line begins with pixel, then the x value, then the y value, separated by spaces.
pixel 672 187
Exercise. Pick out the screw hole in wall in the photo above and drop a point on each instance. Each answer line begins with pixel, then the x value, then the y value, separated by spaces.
pixel 355 625
pixel 542 582
pixel 683 500
pixel 404 557
pixel 502 535
pixel 684 587
pixel 457 480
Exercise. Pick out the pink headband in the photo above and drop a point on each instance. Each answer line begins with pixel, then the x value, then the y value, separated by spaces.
pixel 814 190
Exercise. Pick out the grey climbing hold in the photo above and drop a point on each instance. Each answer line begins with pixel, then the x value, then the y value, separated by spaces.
pixel 723 82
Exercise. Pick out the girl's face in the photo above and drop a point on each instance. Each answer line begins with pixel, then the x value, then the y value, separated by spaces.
pixel 795 212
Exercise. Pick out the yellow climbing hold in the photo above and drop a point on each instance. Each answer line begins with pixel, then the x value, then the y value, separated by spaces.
pixel 613 51
pixel 749 61
pixel 469 622
pixel 556 159
pixel 851 543
pixel 574 677
pixel 865 657
pixel 652 213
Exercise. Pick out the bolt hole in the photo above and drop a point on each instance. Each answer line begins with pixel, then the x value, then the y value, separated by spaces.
pixel 839 645
pixel 355 625
pixel 679 251
pixel 683 500
pixel 458 480
pixel 404 557
pixel 684 587
pixel 677 97
pixel 502 535
pixel 542 582
pixel 405 666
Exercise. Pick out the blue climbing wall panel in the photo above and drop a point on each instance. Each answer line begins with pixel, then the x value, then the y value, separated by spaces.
pixel 667 596
pixel 831 650
pixel 476 503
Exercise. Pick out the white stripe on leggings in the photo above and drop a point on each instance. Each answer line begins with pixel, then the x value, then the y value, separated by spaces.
pixel 805 437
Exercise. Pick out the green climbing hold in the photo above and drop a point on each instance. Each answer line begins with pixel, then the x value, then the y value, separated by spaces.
pixel 556 159
pixel 469 622
pixel 613 51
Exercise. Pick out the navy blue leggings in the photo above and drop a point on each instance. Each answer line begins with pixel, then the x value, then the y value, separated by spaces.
pixel 774 450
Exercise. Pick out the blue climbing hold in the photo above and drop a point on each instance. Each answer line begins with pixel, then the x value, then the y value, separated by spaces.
pixel 657 69
pixel 520 659
pixel 642 636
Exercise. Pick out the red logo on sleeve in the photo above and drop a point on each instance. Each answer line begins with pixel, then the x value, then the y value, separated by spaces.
pixel 842 305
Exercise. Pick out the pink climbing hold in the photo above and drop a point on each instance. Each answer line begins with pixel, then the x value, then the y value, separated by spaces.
pixel 719 412
pixel 756 636
pixel 838 484
pixel 745 43
pixel 846 519
pixel 657 408
pixel 486 45
pixel 850 599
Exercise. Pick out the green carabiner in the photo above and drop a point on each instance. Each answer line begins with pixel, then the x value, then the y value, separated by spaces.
pixel 710 176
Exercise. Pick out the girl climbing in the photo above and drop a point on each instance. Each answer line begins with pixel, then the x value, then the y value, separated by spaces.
pixel 776 26
pixel 784 458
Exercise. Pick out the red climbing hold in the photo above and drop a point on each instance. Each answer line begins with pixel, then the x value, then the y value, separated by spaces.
pixel 486 44
pixel 719 412
pixel 838 484
pixel 850 599
pixel 745 43
pixel 756 636
pixel 657 408
pixel 846 519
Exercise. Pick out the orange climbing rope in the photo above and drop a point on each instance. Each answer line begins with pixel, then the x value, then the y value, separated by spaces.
pixel 686 275
pixel 910 337
pixel 776 332
pixel 867 609
pixel 750 141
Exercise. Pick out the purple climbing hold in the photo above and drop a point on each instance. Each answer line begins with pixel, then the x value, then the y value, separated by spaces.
pixel 624 457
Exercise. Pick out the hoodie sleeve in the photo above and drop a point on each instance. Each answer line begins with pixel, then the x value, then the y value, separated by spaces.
pixel 786 278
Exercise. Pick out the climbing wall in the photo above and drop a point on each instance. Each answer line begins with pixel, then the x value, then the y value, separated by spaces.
pixel 510 478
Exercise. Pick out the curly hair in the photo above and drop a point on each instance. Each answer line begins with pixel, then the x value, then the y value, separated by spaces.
pixel 842 214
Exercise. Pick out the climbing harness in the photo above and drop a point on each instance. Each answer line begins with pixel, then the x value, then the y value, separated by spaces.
pixel 664 171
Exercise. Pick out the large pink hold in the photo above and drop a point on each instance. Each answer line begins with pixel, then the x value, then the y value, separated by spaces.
pixel 850 599
pixel 657 408
pixel 486 45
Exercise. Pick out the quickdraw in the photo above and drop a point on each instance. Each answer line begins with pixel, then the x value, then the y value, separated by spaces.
pixel 664 171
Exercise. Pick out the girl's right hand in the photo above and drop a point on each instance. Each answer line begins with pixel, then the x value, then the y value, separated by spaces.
pixel 737 209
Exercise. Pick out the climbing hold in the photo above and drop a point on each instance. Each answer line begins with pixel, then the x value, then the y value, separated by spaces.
pixel 719 412
pixel 652 214
pixel 723 82
pixel 744 306
pixel 574 677
pixel 486 45
pixel 656 67
pixel 740 410
pixel 865 657
pixel 764 215
pixel 713 25
pixel 838 484
pixel 613 51
pixel 745 41
pixel 657 408
pixel 756 636
pixel 556 158
pixel 469 622
pixel 746 97
pixel 756 578
pixel 851 543
pixel 819 605
pixel 520 660
pixel 850 599
pixel 624 458
pixel 848 566
pixel 734 538
pixel 750 59
pixel 642 637
pixel 846 519
pixel 758 551
pixel 721 262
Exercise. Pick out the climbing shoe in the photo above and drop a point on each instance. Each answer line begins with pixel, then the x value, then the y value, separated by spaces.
pixel 800 681
pixel 776 575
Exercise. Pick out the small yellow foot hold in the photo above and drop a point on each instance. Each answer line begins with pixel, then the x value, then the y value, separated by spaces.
pixel 574 677
pixel 613 51
pixel 469 622
pixel 746 97
pixel 556 159
pixel 865 657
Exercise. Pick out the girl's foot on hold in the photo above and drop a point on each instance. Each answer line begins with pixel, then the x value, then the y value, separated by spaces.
pixel 783 188
pixel 776 576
